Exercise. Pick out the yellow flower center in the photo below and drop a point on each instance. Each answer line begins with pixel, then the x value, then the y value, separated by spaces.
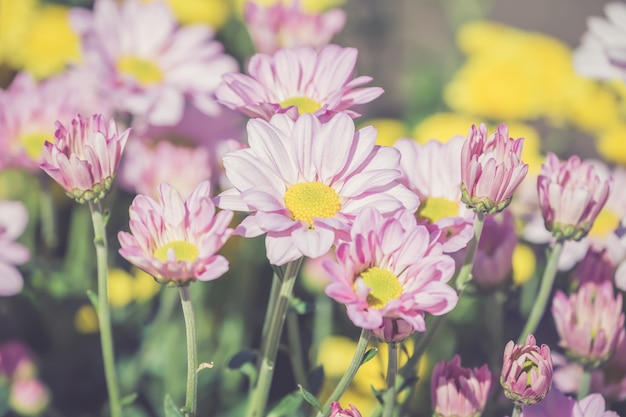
pixel 143 70
pixel 309 200
pixel 184 251
pixel 304 104
pixel 528 367
pixel 33 143
pixel 606 222
pixel 437 208
pixel 384 286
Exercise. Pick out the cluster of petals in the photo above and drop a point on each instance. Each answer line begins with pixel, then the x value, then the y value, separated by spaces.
pixel 602 53
pixel 558 404
pixel 337 411
pixel 433 172
pixel 408 270
pixel 590 322
pixel 493 261
pixel 148 64
pixel 297 81
pixel 491 169
pixel 526 371
pixel 85 156
pixel 571 194
pixel 457 391
pixel 288 159
pixel 13 221
pixel 160 229
pixel 28 111
pixel 287 25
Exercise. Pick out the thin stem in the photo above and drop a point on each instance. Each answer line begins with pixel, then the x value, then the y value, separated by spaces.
pixel 192 351
pixel 104 316
pixel 494 318
pixel 322 323
pixel 48 224
pixel 544 292
pixel 585 383
pixel 517 411
pixel 274 321
pixel 392 371
pixel 465 274
pixel 348 376
pixel 295 349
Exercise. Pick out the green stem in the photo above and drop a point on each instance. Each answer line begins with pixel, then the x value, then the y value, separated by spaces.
pixel 392 371
pixel 585 383
pixel 517 411
pixel 104 316
pixel 544 292
pixel 273 329
pixel 295 349
pixel 494 318
pixel 48 224
pixel 465 274
pixel 348 376
pixel 192 351
pixel 322 323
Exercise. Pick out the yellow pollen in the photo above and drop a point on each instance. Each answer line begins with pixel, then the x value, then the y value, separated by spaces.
pixel 384 286
pixel 33 143
pixel 606 222
pixel 304 104
pixel 184 251
pixel 144 71
pixel 437 208
pixel 309 200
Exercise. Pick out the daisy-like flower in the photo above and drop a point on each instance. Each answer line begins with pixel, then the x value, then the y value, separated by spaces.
pixel 176 241
pixel 13 221
pixel 306 181
pixel 298 81
pixel 85 157
pixel 433 172
pixel 147 62
pixel 391 268
pixel 282 25
pixel 491 169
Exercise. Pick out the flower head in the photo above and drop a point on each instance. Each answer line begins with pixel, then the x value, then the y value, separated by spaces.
pixel 298 81
pixel 590 323
pixel 13 221
pixel 558 404
pixel 149 64
pixel 526 371
pixel 305 182
pixel 391 268
pixel 571 194
pixel 337 411
pixel 459 392
pixel 491 169
pixel 85 156
pixel 176 241
pixel 282 25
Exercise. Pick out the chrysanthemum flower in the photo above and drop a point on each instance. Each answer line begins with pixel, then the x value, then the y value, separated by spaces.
pixel 391 268
pixel 526 371
pixel 590 323
pixel 571 194
pixel 433 172
pixel 558 404
pixel 283 25
pixel 176 241
pixel 147 63
pixel 491 169
pixel 306 181
pixel 337 411
pixel 298 81
pixel 13 221
pixel 85 156
pixel 457 391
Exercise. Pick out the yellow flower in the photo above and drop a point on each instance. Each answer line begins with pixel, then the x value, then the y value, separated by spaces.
pixel 611 143
pixel 443 127
pixel 389 130
pixel 14 23
pixel 524 263
pixel 144 286
pixel 212 12
pixel 120 288
pixel 86 319
pixel 531 151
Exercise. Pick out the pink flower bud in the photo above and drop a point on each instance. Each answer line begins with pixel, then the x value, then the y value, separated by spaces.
pixel 337 411
pixel 526 371
pixel 393 330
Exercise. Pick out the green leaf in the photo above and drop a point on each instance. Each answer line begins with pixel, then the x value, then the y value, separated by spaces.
pixel 287 407
pixel 369 355
pixel 93 298
pixel 128 399
pixel 171 410
pixel 310 398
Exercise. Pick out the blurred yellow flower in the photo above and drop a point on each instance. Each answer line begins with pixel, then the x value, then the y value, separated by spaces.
pixel 14 24
pixel 531 151
pixel 86 319
pixel 611 143
pixel 389 130
pixel 443 127
pixel 124 288
pixel 144 286
pixel 524 262
pixel 212 12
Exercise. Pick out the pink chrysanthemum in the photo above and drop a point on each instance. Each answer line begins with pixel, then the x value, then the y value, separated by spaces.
pixel 391 268
pixel 337 411
pixel 13 221
pixel 28 111
pixel 306 181
pixel 284 25
pixel 147 63
pixel 558 404
pixel 491 169
pixel 457 391
pixel 298 81
pixel 84 159
pixel 176 241
pixel 433 172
